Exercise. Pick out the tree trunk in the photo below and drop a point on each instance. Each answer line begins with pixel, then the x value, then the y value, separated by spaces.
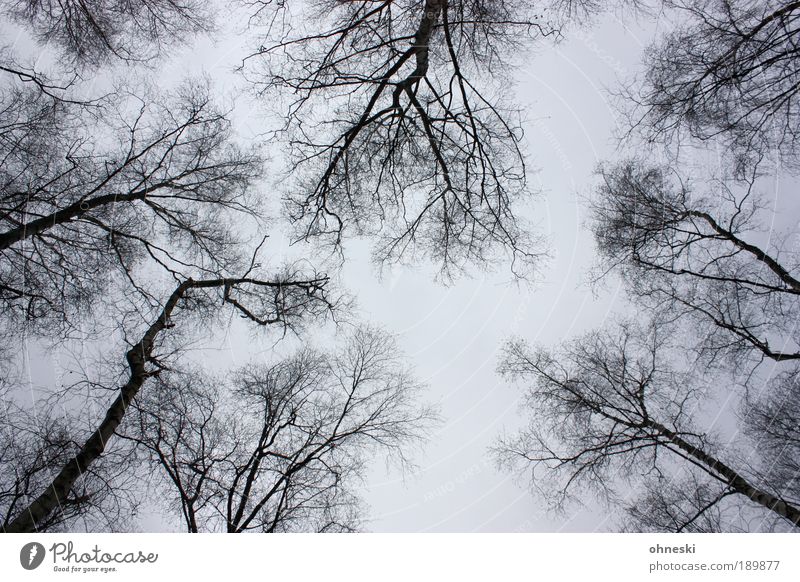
pixel 137 356
pixel 734 479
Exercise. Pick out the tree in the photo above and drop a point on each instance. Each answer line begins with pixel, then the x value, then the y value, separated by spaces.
pixel 771 419
pixel 674 503
pixel 105 203
pixel 277 448
pixel 693 253
pixel 284 300
pixel 90 197
pixel 611 406
pixel 33 444
pixel 102 201
pixel 90 33
pixel 57 90
pixel 729 71
pixel 395 127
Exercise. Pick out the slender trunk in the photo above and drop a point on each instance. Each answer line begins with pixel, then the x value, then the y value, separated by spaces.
pixel 757 252
pixel 734 479
pixel 192 520
pixel 137 356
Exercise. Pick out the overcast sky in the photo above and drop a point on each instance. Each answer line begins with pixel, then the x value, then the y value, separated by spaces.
pixel 451 334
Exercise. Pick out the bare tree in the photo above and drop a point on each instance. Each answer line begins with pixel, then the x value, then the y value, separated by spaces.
pixel 695 253
pixel 397 124
pixel 729 71
pixel 609 407
pixel 612 407
pixel 35 440
pixel 89 198
pixel 60 90
pixel 278 448
pixel 676 503
pixel 102 201
pixel 33 444
pixel 771 419
pixel 566 14
pixel 90 33
pixel 288 301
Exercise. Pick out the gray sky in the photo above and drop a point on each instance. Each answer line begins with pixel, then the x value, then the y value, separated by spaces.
pixel 451 334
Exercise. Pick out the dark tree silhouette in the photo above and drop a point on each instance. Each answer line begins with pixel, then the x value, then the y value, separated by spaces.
pixel 729 71
pixel 59 90
pixel 89 198
pixel 611 409
pixel 692 253
pixel 771 419
pixel 91 33
pixel 397 124
pixel 288 301
pixel 33 444
pixel 610 406
pixel 398 128
pixel 279 448
pixel 675 503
